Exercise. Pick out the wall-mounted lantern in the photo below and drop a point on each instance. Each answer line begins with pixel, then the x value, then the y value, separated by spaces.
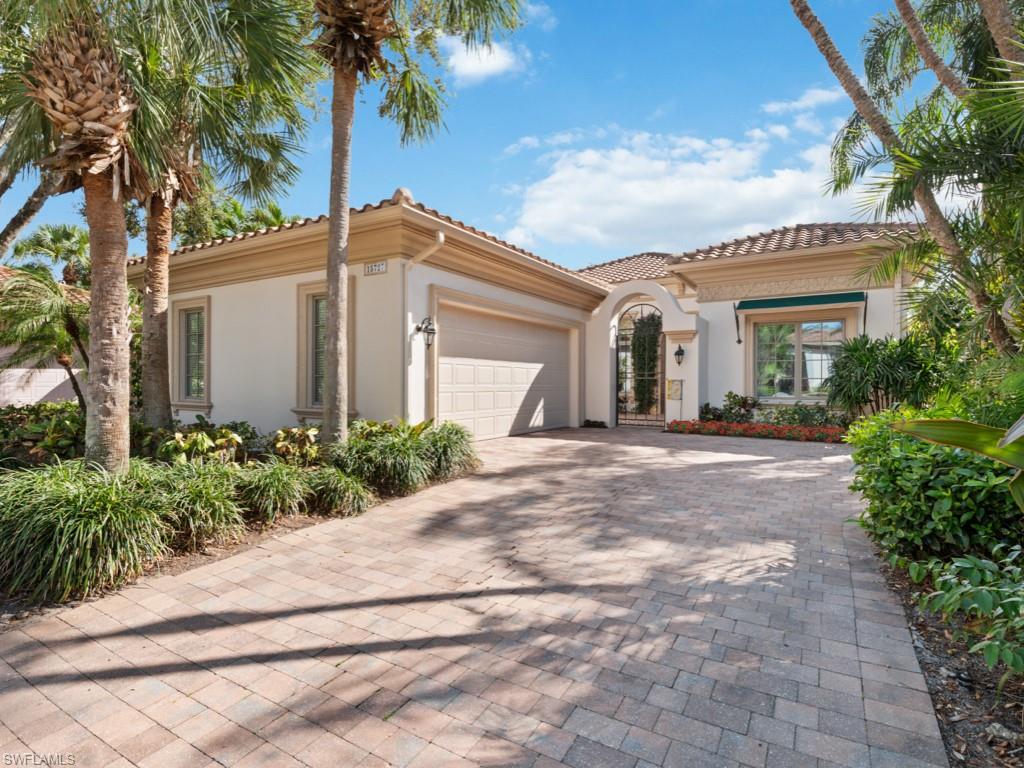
pixel 679 354
pixel 427 328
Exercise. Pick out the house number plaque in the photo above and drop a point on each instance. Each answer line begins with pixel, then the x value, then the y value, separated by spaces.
pixel 375 268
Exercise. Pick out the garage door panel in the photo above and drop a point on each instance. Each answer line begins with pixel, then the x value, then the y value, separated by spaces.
pixel 499 375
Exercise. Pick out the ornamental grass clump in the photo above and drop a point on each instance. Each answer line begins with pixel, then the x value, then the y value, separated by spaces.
pixel 69 530
pixel 199 503
pixel 272 488
pixel 332 492
pixel 449 448
pixel 392 459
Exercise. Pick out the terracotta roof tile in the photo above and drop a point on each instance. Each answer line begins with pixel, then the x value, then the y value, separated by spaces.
pixel 798 236
pixel 641 266
pixel 401 196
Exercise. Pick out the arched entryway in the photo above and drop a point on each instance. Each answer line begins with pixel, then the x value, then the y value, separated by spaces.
pixel 640 370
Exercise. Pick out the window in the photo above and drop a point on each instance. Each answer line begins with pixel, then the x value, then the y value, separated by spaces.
pixel 193 348
pixel 190 354
pixel 312 348
pixel 793 359
pixel 318 351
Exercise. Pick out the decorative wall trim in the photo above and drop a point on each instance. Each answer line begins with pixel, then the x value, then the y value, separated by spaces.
pixel 178 399
pixel 790 287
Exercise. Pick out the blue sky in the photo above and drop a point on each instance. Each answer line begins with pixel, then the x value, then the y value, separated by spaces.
pixel 589 135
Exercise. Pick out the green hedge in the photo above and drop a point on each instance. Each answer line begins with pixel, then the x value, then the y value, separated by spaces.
pixel 926 500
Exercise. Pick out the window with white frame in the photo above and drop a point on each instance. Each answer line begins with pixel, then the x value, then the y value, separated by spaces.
pixel 792 359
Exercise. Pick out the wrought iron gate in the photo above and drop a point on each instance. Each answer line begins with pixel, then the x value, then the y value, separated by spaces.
pixel 640 380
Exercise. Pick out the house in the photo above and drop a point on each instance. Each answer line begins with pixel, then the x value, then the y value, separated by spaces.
pixel 24 386
pixel 448 322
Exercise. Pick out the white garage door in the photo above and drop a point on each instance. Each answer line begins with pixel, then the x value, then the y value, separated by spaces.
pixel 501 376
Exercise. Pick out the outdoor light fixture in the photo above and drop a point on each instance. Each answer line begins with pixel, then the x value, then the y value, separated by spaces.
pixel 426 327
pixel 679 354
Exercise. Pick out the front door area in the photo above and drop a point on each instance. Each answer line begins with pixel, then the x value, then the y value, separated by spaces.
pixel 640 369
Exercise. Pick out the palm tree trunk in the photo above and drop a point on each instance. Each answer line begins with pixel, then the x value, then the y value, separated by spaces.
pixel 47 186
pixel 1001 24
pixel 78 389
pixel 156 387
pixel 107 439
pixel 6 173
pixel 935 220
pixel 928 54
pixel 343 102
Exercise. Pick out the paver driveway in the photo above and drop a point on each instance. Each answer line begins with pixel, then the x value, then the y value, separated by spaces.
pixel 591 598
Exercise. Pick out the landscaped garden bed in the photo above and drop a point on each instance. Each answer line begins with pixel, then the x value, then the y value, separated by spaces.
pixel 756 429
pixel 69 530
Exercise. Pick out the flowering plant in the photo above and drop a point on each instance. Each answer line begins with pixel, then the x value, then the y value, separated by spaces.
pixel 772 431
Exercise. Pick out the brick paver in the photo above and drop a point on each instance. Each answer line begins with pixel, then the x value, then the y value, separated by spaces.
pixel 589 598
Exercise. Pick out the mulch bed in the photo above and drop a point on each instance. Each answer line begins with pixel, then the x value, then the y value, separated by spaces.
pixel 981 726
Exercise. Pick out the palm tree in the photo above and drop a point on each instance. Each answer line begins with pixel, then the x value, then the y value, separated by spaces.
pixel 57 245
pixel 240 122
pixel 935 220
pixel 91 92
pixel 382 40
pixel 44 323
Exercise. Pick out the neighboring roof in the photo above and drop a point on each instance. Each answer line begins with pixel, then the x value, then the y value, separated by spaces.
pixel 401 196
pixel 797 237
pixel 641 266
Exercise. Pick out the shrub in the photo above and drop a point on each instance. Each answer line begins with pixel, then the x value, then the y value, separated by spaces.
pixel 990 595
pixel 870 375
pixel 392 459
pixel 199 503
pixel 272 488
pixel 736 409
pixel 332 492
pixel 928 500
pixel 771 431
pixel 449 448
pixel 68 530
pixel 199 440
pixel 296 445
pixel 804 415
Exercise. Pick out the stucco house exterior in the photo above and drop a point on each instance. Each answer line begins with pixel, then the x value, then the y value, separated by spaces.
pixel 449 322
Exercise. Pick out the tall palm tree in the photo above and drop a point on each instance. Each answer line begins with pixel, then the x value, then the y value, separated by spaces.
pixel 43 323
pixel 236 95
pixel 57 245
pixel 382 40
pixel 935 220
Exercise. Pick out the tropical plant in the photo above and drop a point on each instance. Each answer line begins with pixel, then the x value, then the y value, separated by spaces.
pixel 367 41
pixel 871 375
pixel 44 323
pixel 197 500
pixel 272 488
pixel 65 246
pixel 296 445
pixel 332 492
pixel 911 190
pixel 214 214
pixel 70 530
pixel 235 94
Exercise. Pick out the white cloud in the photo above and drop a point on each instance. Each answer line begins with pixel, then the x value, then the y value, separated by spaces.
pixel 557 139
pixel 541 15
pixel 808 122
pixel 673 192
pixel 526 142
pixel 470 66
pixel 812 98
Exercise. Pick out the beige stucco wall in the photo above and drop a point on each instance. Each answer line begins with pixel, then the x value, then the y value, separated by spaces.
pixel 420 279
pixel 254 340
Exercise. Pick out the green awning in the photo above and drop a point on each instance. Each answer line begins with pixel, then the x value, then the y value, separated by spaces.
pixel 850 297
